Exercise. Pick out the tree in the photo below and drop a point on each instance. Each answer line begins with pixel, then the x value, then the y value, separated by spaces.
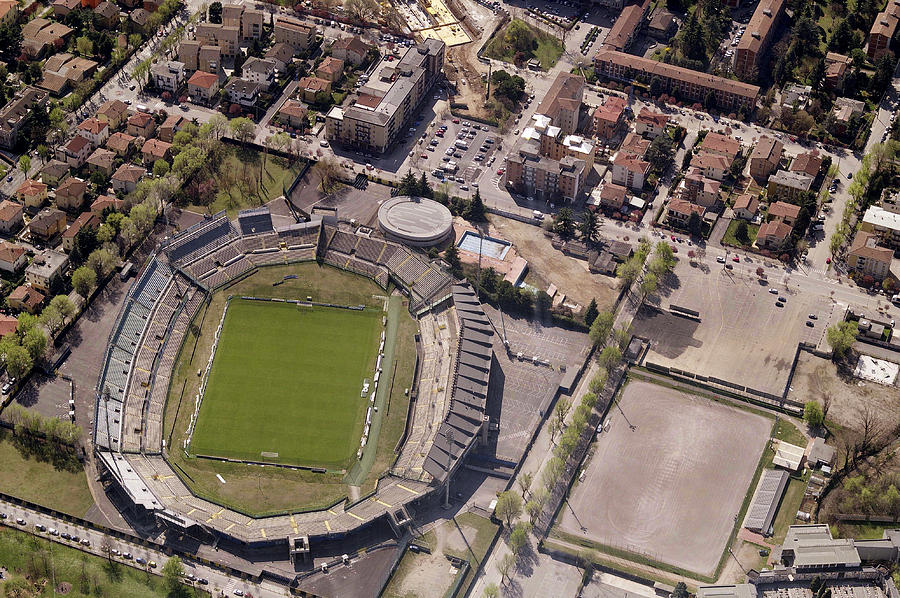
pixel 629 270
pixel 524 480
pixel 18 361
pixel 408 184
pixel 51 318
pixel 242 129
pixel 564 223
pixel 102 261
pixel 841 337
pixel 742 232
pixel 601 327
pixel 681 590
pixel 35 342
pixel 160 168
pixel 533 508
pixel 491 591
pixel 591 313
pixel 215 12
pixel 24 164
pixel 650 284
pixel 695 224
pixel 587 226
pixel 172 573
pixel 363 10
pixel 476 210
pixel 660 153
pixel 84 279
pixel 63 305
pixel 812 414
pixel 328 171
pixel 10 42
pixel 509 506
pixel 561 410
pixel 84 46
pixel 506 563
pixel 609 358
pixel 451 256
pixel 518 538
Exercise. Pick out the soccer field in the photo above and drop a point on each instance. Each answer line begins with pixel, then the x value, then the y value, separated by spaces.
pixel 286 379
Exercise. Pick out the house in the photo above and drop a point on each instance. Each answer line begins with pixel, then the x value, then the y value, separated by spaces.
pixel 884 223
pixel 107 15
pixel 662 25
pixel 121 143
pixel 106 202
pixel 765 157
pixel 867 258
pixel 311 86
pixel 883 30
pixel 113 112
pixel 141 124
pixel 84 220
pixel 198 56
pixel 32 193
pixel 795 96
pixel 70 194
pixel 836 68
pixel 259 70
pixel 774 235
pixel 10 217
pixel 650 124
pixel 243 92
pixel 282 55
pixel 40 36
pixel 155 149
pixel 8 325
pixel 26 298
pixel 781 211
pixel 293 114
pixel 635 145
pixel 203 87
pixel 126 177
pixel 168 76
pixel 712 166
pixel 138 20
pixel 609 117
pixel 331 69
pixel 679 212
pixel 46 224
pixel 102 160
pixel 629 171
pixel 746 206
pixel 94 130
pixel 844 111
pixel 701 190
pixel 297 34
pixel 63 7
pixel 716 143
pixel 13 114
pixel 47 268
pixel 170 126
pixel 12 257
pixel 786 184
pixel 351 50
pixel 808 163
pixel 63 69
pixel 54 172
pixel 75 151
pixel 613 197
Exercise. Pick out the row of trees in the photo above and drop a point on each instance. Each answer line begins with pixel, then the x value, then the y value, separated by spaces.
pixel 19 351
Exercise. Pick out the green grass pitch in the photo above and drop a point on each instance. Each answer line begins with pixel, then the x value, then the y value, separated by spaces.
pixel 286 379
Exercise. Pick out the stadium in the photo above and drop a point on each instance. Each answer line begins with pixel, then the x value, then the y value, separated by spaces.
pixel 284 356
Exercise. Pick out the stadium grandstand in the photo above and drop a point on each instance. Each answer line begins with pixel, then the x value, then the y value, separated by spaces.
pixel 170 290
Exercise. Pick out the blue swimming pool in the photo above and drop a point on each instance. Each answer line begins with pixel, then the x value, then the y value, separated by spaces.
pixel 490 247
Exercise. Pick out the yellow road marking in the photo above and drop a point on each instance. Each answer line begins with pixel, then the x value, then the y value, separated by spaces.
pixel 327 525
pixel 354 515
pixel 407 489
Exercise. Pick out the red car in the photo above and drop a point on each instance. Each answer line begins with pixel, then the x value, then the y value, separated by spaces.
pixel 735 259
pixel 499 171
pixel 455 121
pixel 425 156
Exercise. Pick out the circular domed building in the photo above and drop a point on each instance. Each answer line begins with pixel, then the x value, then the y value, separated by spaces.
pixel 415 220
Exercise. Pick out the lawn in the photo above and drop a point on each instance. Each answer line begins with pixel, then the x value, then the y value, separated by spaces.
pixel 544 47
pixel 285 384
pixel 730 237
pixel 26 477
pixel 41 561
pixel 790 504
pixel 248 179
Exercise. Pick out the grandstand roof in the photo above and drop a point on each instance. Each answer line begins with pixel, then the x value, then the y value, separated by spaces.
pixel 768 494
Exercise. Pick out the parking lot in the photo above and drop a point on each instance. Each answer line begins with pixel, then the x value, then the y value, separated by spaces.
pixel 457 154
pixel 748 329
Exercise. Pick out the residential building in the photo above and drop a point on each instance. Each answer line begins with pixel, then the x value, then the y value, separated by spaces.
pixel 613 197
pixel 701 190
pixel 650 124
pixel 231 14
pixel 113 112
pixel 662 25
pixel 553 143
pixel 629 171
pixel 259 70
pixel 293 114
pixel 757 38
pixel 155 149
pixel 46 224
pixel 13 257
pixel 378 118
pixel 13 114
pixel 867 258
pixel 9 12
pixel 679 212
pixel 170 126
pixel 635 145
pixel 243 92
pixel 121 143
pixel 297 34
pixel 196 56
pixel 84 220
pixel 188 53
pixel 40 36
pixel 126 177
pixel 786 184
pixel 102 160
pixel 609 117
pixel 63 70
pixel 845 110
pixel 627 26
pixel 203 88
pixel 8 325
pixel 168 75
pixel 26 298
pixel 54 172
pixel 836 68
pixel 32 193
pixel 534 175
pixel 282 55
pixel 311 86
pixel 765 157
pixel 46 269
pixel 225 37
pixel 94 130
pixel 684 84
pixel 107 15
pixel 884 223
pixel 781 211
pixel 883 30
pixel 723 145
pixel 331 69
pixel 61 8
pixel 711 165
pixel 104 202
pixel 141 124
pixel 70 194
pixel 10 217
pixel 138 19
pixel 746 206
pixel 795 96
pixel 75 151
pixel 774 235
pixel 562 102
pixel 809 163
pixel 352 50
